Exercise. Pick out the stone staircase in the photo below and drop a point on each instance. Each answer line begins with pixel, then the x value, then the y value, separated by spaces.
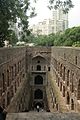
pixel 43 116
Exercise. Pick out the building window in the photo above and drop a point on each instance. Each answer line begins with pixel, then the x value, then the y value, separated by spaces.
pixel 38 67
pixel 38 80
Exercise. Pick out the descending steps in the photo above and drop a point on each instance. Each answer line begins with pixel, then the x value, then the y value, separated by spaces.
pixel 43 116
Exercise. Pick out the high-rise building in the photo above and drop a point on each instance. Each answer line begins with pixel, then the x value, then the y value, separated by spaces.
pixel 58 23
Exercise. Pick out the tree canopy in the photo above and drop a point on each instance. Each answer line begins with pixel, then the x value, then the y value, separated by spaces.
pixel 71 37
pixel 13 11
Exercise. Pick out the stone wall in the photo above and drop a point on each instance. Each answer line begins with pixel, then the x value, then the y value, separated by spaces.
pixel 65 70
pixel 62 73
pixel 13 79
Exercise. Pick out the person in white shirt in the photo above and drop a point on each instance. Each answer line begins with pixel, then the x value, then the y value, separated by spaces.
pixel 38 108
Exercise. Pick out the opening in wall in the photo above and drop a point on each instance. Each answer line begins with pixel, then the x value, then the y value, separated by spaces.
pixel 48 68
pixel 39 67
pixel 68 98
pixel 78 94
pixel 38 80
pixel 72 104
pixel 76 60
pixel 38 94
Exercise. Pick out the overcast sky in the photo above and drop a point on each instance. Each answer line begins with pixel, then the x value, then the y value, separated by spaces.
pixel 43 12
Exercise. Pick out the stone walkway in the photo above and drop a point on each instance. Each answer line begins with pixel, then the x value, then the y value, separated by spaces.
pixel 43 116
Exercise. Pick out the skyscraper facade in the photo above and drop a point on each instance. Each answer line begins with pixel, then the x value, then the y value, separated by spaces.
pixel 58 23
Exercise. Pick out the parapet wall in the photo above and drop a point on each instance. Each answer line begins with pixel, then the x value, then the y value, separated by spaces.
pixel 9 53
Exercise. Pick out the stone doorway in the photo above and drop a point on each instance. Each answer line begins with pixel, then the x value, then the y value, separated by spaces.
pixel 38 80
pixel 38 94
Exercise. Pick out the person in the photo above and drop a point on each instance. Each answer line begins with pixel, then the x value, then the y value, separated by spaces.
pixel 38 108
pixel 2 113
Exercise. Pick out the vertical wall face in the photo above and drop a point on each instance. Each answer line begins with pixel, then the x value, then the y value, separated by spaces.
pixel 13 79
pixel 65 71
pixel 30 76
pixel 38 63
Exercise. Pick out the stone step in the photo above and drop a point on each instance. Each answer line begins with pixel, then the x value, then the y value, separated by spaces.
pixel 43 116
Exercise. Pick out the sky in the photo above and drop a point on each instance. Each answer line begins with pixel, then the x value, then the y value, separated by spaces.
pixel 44 13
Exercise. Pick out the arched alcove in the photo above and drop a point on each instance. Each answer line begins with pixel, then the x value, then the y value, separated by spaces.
pixel 38 94
pixel 8 98
pixel 72 104
pixel 40 104
pixel 38 80
pixel 63 91
pixel 68 98
pixel 68 74
pixel 38 67
pixel 61 70
pixel 78 91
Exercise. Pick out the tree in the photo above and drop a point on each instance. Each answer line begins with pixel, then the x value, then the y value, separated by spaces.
pixel 13 11
pixel 66 5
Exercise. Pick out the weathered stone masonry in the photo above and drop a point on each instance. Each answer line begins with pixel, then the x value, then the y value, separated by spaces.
pixel 56 68
pixel 65 70
pixel 13 79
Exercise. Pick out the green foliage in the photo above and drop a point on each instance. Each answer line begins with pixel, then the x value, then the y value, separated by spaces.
pixel 44 40
pixel 12 11
pixel 66 5
pixel 71 37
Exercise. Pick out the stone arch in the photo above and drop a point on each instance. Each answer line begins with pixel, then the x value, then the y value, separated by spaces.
pixel 78 91
pixel 68 98
pixel 40 104
pixel 38 80
pixel 38 94
pixel 38 67
pixel 72 104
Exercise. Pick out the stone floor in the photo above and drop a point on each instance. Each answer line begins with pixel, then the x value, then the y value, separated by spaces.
pixel 43 116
